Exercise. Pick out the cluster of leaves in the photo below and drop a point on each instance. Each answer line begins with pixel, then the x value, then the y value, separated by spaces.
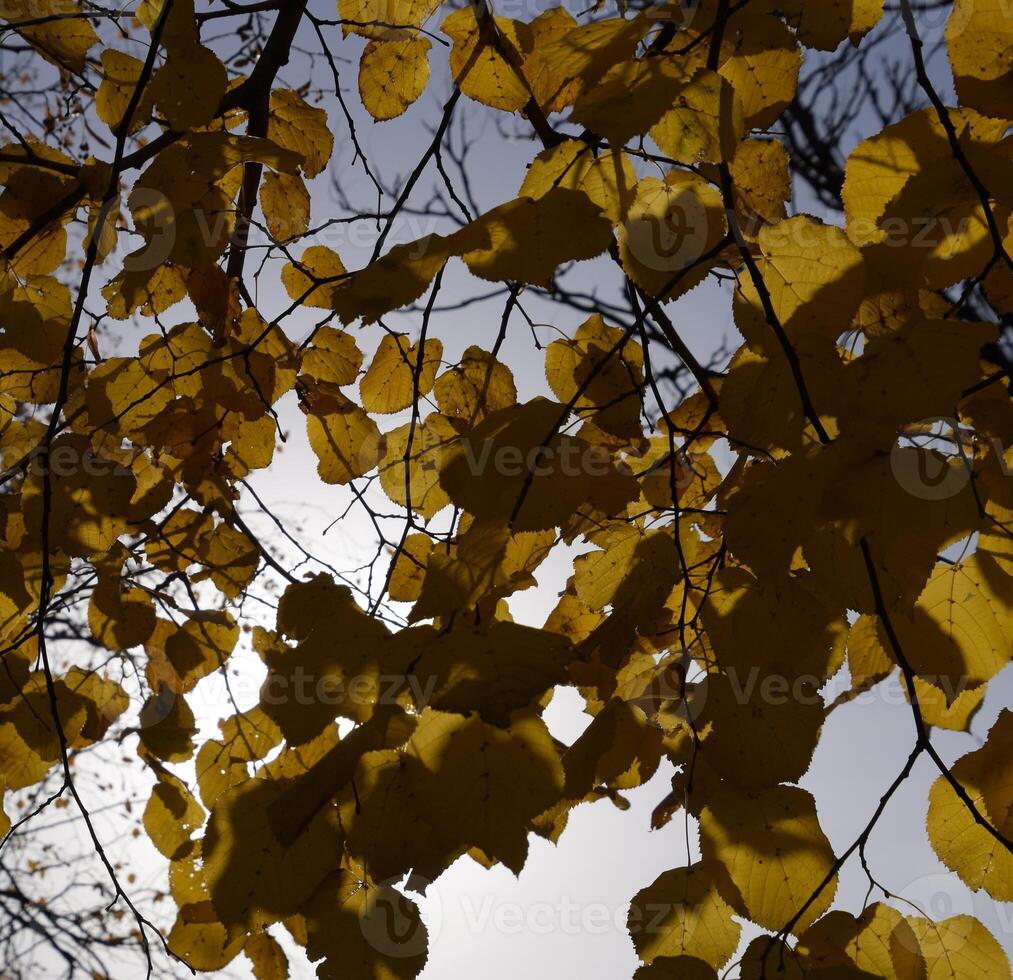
pixel 810 549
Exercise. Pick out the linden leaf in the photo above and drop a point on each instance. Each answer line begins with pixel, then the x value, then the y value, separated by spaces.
pixel 630 98
pixel 120 75
pixel 58 29
pixel 676 968
pixel 315 278
pixel 814 277
pixel 761 59
pixel 607 179
pixel 119 618
pixel 266 956
pixel 762 179
pixel 466 783
pixel 959 630
pixel 959 948
pixel 962 844
pixel 394 280
pixel 393 74
pixel 300 127
pixel 252 878
pixel 202 942
pixel 412 461
pixel 286 204
pixel 201 646
pixel 395 379
pixel 525 240
pixel 671 227
pixel 346 440
pixel 774 851
pixel 310 685
pixel 189 86
pixel 516 467
pixel 482 68
pixel 979 37
pixel 494 672
pixel 705 123
pixel 364 930
pixel 600 372
pixel 825 26
pixel 476 386
pixel 172 815
pixel 620 749
pixel 333 357
pixel 384 19
pixel 683 914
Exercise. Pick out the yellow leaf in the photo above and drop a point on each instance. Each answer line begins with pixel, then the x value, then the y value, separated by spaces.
pixel 959 948
pixel 960 629
pixel 903 186
pixel 814 276
pixel 384 19
pixel 676 968
pixel 979 36
pixel 563 66
pixel 516 467
pixel 477 385
pixel 58 29
pixel 202 942
pixel 189 86
pixel 493 673
pixel 364 930
pixel 120 618
pixel 312 684
pixel 774 851
pixel 410 474
pixel 298 126
pixel 172 815
pixel 630 98
pixel 345 439
pixel 705 123
pixel 167 723
pixel 392 75
pixel 90 498
pixel 963 845
pixel 461 781
pixel 761 59
pixel 333 357
pixel 620 749
pixel 525 240
pixel 600 372
pixel 608 180
pixel 230 560
pixel 150 290
pixel 286 204
pixel 762 179
pixel 201 645
pixel 552 88
pixel 671 225
pixel 394 280
pixel 477 65
pixel 252 877
pixel 824 26
pixel 395 379
pixel 120 75
pixel 683 913
pixel 315 278
pixel 410 568
pixel 266 956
